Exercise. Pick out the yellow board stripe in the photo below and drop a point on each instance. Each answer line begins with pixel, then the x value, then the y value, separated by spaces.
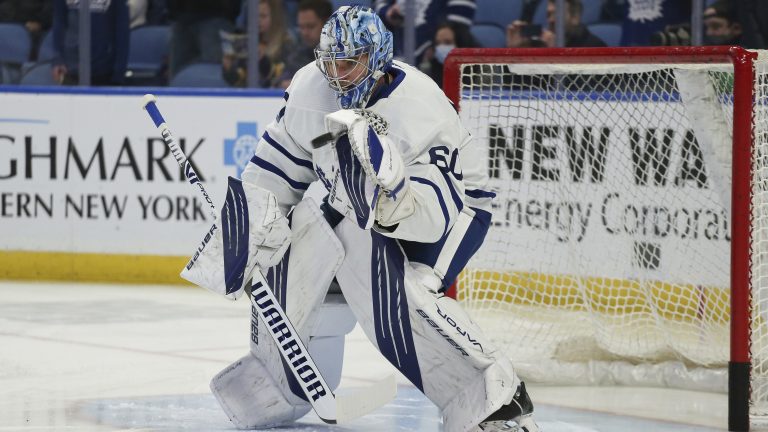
pixel 91 267
pixel 680 302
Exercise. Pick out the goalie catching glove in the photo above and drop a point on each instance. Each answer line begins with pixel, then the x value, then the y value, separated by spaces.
pixel 381 162
pixel 250 231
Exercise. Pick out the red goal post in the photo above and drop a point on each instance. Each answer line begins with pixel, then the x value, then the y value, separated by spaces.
pixel 528 108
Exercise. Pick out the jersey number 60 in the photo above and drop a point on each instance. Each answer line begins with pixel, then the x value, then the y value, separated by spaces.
pixel 439 156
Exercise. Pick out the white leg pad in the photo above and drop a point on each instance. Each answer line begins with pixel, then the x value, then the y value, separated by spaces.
pixel 427 336
pixel 251 397
pixel 255 391
pixel 473 405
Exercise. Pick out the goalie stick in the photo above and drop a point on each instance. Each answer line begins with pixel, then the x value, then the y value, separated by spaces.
pixel 329 407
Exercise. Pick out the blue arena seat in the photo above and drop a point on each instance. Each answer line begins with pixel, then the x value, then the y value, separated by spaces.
pixel 199 75
pixel 38 74
pixel 489 35
pixel 609 33
pixel 500 12
pixel 592 11
pixel 15 43
pixel 148 51
pixel 590 14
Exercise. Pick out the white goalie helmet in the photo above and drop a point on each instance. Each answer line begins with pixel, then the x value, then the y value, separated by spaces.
pixel 355 50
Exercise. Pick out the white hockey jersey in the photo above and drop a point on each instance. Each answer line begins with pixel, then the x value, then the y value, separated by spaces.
pixel 422 123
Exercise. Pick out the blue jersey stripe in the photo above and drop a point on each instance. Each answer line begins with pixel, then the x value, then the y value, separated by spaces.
pixel 428 253
pixel 478 193
pixel 298 161
pixel 387 89
pixel 440 199
pixel 261 163
pixel 457 201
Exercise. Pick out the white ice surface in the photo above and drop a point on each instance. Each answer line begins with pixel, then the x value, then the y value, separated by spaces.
pixel 88 357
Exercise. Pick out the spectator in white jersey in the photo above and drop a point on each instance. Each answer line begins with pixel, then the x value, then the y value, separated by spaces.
pixel 402 215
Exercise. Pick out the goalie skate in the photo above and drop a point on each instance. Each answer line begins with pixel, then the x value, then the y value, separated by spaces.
pixel 516 416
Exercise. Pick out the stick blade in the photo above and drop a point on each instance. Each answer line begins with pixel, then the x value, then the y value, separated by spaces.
pixel 357 402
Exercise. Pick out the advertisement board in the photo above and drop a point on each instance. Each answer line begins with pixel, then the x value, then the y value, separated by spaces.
pixel 88 173
pixel 589 188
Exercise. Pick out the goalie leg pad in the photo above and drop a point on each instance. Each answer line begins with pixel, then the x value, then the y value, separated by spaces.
pixel 250 395
pixel 251 398
pixel 300 283
pixel 427 336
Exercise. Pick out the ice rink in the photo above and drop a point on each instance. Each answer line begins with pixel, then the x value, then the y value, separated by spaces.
pixel 90 357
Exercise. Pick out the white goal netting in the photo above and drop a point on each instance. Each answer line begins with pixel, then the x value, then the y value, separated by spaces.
pixel 608 261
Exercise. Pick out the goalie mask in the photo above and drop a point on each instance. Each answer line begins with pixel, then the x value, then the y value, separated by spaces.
pixel 355 50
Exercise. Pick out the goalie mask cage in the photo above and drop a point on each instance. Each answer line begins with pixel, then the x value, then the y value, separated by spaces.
pixel 629 243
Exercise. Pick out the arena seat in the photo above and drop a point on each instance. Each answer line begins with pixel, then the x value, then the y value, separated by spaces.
pixel 199 75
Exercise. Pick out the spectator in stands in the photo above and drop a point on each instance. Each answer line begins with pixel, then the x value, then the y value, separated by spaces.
pixel 310 17
pixel 195 27
pixel 274 45
pixel 446 38
pixel 721 27
pixel 753 17
pixel 521 34
pixel 157 12
pixel 35 15
pixel 643 19
pixel 109 42
pixel 429 13
pixel 529 9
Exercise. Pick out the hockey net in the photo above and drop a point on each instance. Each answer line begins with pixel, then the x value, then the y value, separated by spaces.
pixel 609 257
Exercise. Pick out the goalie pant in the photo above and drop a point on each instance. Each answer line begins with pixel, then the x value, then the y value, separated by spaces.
pixel 425 335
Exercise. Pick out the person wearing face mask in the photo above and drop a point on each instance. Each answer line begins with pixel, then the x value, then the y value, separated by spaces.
pixel 446 38
pixel 720 24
